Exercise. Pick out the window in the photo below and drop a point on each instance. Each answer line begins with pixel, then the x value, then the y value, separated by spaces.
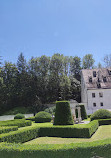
pixel 100 94
pixel 109 72
pixel 104 79
pixel 98 85
pixel 101 104
pixel 93 95
pixel 90 79
pixel 94 73
pixel 94 104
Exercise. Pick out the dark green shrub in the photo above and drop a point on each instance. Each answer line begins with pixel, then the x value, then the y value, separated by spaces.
pixel 8 129
pixel 31 118
pixel 101 114
pixel 85 131
pixel 19 116
pixel 18 122
pixel 63 114
pixel 83 112
pixel 104 122
pixel 89 115
pixel 42 116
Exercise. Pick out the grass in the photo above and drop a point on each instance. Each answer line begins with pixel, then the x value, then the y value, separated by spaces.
pixel 103 132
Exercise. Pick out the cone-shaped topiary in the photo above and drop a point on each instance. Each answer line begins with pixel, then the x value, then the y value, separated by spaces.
pixel 63 114
pixel 83 112
pixel 100 114
pixel 42 116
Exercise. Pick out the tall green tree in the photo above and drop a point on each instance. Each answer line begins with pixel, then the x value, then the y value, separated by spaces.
pixel 88 61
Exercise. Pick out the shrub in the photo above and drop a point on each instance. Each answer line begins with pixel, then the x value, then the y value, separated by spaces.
pixel 19 123
pixel 19 116
pixel 83 112
pixel 8 129
pixel 101 114
pixel 63 114
pixel 104 122
pixel 50 110
pixel 42 116
pixel 31 118
pixel 85 131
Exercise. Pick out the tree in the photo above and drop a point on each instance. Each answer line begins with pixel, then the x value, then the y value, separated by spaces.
pixel 107 60
pixel 75 67
pixel 88 61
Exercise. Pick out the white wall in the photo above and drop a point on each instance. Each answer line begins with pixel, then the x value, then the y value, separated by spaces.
pixel 106 100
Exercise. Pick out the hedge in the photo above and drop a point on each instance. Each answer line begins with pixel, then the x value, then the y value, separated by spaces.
pixel 19 116
pixel 8 129
pixel 85 131
pixel 101 114
pixel 63 114
pixel 42 117
pixel 19 123
pixel 31 118
pixel 78 150
pixel 104 122
pixel 83 112
pixel 20 136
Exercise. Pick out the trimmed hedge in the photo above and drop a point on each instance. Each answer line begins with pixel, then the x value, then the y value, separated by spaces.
pixel 104 122
pixel 42 117
pixel 8 129
pixel 83 112
pixel 19 116
pixel 20 136
pixel 85 131
pixel 101 114
pixel 19 123
pixel 63 114
pixel 78 150
pixel 31 118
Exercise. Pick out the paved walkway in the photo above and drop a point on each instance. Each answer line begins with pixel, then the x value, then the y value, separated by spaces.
pixel 11 117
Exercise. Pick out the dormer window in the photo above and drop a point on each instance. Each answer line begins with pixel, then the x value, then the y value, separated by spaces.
pixel 98 85
pixel 90 79
pixel 94 73
pixel 109 71
pixel 104 79
pixel 99 80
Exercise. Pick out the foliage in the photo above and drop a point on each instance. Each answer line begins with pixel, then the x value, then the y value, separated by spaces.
pixel 88 61
pixel 107 60
pixel 104 122
pixel 101 114
pixel 42 116
pixel 50 110
pixel 31 118
pixel 8 129
pixel 19 116
pixel 19 123
pixel 63 114
pixel 70 131
pixel 83 112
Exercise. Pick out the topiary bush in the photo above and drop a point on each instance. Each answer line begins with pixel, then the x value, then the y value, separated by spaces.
pixel 100 114
pixel 42 116
pixel 19 116
pixel 83 112
pixel 63 114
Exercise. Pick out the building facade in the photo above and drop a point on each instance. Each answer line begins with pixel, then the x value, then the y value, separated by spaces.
pixel 96 89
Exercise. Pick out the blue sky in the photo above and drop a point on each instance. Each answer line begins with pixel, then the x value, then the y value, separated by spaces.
pixel 45 27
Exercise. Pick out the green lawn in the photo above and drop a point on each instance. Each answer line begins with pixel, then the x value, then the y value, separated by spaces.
pixel 103 132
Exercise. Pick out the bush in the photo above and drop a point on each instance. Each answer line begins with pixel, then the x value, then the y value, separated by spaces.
pixel 50 110
pixel 19 123
pixel 104 122
pixel 19 116
pixel 85 131
pixel 83 112
pixel 42 116
pixel 101 114
pixel 8 129
pixel 63 114
pixel 31 118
